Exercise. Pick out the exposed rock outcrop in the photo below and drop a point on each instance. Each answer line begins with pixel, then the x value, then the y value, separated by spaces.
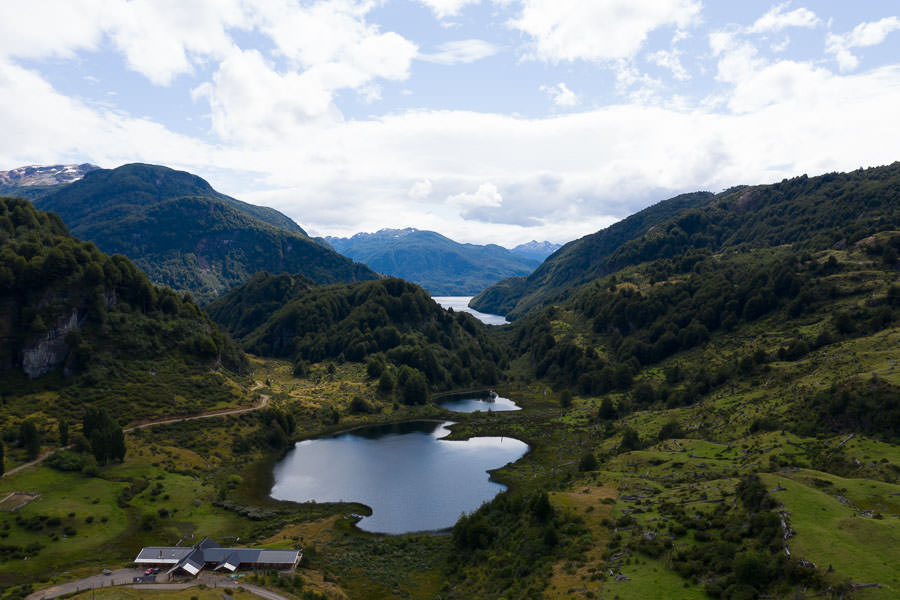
pixel 50 350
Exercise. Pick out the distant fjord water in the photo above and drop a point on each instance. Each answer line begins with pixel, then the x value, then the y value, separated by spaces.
pixel 461 303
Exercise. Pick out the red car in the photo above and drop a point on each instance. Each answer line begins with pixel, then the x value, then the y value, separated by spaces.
pixel 148 572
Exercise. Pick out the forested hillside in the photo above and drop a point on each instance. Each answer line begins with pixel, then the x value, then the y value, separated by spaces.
pixel 248 306
pixel 187 236
pixel 578 261
pixel 815 212
pixel 392 325
pixel 440 265
pixel 92 329
pixel 730 393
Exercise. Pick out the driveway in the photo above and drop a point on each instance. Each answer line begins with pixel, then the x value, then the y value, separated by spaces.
pixel 126 577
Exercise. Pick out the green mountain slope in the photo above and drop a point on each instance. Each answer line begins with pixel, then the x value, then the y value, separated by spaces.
pixel 389 323
pixel 817 211
pixel 733 396
pixel 578 261
pixel 440 265
pixel 91 327
pixel 186 235
pixel 248 306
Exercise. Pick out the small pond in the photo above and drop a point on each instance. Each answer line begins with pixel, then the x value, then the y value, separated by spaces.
pixel 411 478
pixel 484 404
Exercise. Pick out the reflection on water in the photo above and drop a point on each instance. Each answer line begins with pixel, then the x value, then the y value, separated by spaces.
pixel 411 478
pixel 469 405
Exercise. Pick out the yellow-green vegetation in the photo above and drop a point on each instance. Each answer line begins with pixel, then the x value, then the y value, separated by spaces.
pixel 848 525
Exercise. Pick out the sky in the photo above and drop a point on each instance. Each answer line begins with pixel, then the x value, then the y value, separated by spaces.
pixel 490 121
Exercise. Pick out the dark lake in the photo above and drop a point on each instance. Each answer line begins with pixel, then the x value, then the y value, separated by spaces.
pixel 410 478
pixel 469 405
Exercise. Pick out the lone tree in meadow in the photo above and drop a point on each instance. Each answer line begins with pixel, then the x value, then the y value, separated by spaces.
pixel 30 438
pixel 105 435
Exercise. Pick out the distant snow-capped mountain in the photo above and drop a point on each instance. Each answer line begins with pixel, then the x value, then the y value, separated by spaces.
pixel 536 250
pixel 44 175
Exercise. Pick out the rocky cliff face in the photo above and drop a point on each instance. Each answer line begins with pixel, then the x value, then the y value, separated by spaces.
pixel 50 350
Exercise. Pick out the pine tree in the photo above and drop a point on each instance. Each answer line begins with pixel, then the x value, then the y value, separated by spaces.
pixel 30 438
pixel 63 427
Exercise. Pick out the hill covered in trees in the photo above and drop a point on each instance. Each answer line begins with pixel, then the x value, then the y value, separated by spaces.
pixel 814 212
pixel 392 325
pixel 187 236
pixel 437 263
pixel 80 327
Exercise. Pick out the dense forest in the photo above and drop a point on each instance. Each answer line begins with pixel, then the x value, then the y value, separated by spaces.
pixel 72 316
pixel 390 324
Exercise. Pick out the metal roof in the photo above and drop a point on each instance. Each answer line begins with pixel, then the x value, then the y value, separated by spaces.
pixel 162 554
pixel 208 552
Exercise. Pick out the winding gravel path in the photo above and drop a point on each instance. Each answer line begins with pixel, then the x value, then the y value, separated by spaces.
pixel 263 402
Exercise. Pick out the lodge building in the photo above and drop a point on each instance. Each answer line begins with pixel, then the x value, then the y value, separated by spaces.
pixel 210 555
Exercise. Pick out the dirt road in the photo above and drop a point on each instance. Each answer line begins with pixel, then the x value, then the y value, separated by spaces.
pixel 263 402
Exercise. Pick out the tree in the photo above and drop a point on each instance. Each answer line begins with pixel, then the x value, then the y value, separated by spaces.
pixel 412 387
pixel 541 508
pixel 63 427
pixel 386 382
pixel 644 395
pixel 670 430
pixel 607 409
pixel 30 438
pixel 588 462
pixel 105 435
pixel 2 464
pixel 630 440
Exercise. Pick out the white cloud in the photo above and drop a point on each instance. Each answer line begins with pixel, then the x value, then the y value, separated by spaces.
pixel 460 51
pixel 420 190
pixel 864 34
pixel 328 46
pixel 561 95
pixel 159 38
pixel 601 30
pixel 25 30
pixel 251 102
pixel 669 59
pixel 50 128
pixel 447 8
pixel 738 59
pixel 334 39
pixel 162 39
pixel 779 18
pixel 486 196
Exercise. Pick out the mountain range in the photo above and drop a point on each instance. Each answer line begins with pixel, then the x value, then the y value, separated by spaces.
pixel 709 389
pixel 792 211
pixel 188 236
pixel 437 263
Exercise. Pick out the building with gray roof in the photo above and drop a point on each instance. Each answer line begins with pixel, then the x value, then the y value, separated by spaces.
pixel 210 555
